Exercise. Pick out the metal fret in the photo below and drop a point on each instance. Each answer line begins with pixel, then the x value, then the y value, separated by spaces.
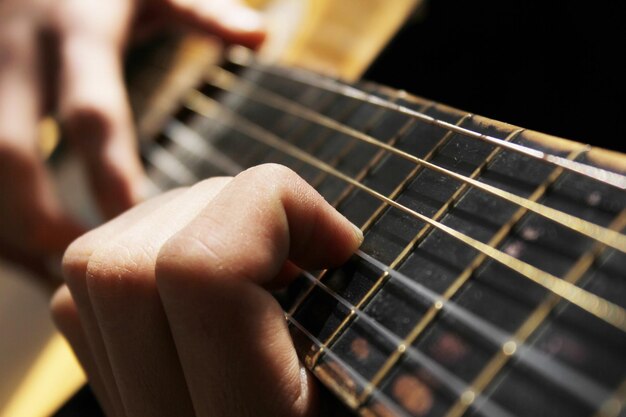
pixel 536 318
pixel 527 270
pixel 376 159
pixel 383 277
pixel 599 307
pixel 309 78
pixel 318 142
pixel 346 150
pixel 349 188
pixel 437 306
pixel 226 81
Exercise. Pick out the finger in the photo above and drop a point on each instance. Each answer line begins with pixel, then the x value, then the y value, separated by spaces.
pixel 65 316
pixel 230 333
pixel 231 20
pixel 94 105
pixel 123 293
pixel 32 220
pixel 75 270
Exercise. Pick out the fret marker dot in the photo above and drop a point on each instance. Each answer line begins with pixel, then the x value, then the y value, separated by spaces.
pixel 438 305
pixel 509 348
pixel 468 397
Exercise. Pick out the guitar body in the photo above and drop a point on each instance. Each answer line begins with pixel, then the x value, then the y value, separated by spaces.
pixel 491 280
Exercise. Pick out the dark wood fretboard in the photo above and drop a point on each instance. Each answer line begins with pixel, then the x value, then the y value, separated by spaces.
pixel 463 300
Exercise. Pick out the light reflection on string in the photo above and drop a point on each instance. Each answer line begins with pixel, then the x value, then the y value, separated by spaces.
pixel 579 385
pixel 225 80
pixel 597 306
pixel 309 78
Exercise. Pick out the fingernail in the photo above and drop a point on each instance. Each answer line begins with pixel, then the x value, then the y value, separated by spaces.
pixel 357 232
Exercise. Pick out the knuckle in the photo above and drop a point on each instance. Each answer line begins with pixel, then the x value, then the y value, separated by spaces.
pixel 182 259
pixel 118 270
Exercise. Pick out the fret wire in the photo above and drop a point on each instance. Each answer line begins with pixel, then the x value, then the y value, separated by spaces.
pixel 379 395
pixel 536 318
pixel 379 211
pixel 322 273
pixel 308 78
pixel 318 141
pixel 455 384
pixel 597 306
pixel 346 150
pixel 414 172
pixel 581 386
pixel 431 313
pixel 300 129
pixel 613 405
pixel 360 176
pixel 227 80
pixel 569 379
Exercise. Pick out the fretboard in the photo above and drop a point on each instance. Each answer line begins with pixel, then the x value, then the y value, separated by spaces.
pixel 492 278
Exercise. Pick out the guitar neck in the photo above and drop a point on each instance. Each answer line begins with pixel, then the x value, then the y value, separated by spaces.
pixel 492 277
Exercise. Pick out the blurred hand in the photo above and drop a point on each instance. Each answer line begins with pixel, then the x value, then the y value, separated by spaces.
pixel 167 307
pixel 90 98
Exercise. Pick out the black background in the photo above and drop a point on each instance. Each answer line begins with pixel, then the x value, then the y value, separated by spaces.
pixel 555 67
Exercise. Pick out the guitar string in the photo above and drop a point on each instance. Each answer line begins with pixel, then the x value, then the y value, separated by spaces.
pixel 357 377
pixel 305 77
pixel 479 259
pixel 462 315
pixel 348 190
pixel 318 341
pixel 597 306
pixel 226 81
pixel 378 395
pixel 589 391
pixel 534 320
pixel 418 237
pixel 455 384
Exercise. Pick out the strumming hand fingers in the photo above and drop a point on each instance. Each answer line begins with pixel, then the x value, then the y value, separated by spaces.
pixel 231 20
pixel 32 221
pixel 93 102
pixel 230 333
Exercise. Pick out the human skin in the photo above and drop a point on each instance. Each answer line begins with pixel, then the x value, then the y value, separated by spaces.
pixel 79 79
pixel 167 306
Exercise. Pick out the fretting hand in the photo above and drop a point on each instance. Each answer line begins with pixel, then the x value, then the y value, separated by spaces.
pixel 89 97
pixel 168 308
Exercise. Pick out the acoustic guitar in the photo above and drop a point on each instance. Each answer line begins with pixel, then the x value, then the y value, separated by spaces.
pixel 492 278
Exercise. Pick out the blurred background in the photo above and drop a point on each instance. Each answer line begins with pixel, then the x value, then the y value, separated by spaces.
pixel 553 66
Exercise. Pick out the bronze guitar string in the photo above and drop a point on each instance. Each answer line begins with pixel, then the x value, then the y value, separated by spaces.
pixel 465 315
pixel 227 82
pixel 462 315
pixel 454 383
pixel 243 57
pixel 603 309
